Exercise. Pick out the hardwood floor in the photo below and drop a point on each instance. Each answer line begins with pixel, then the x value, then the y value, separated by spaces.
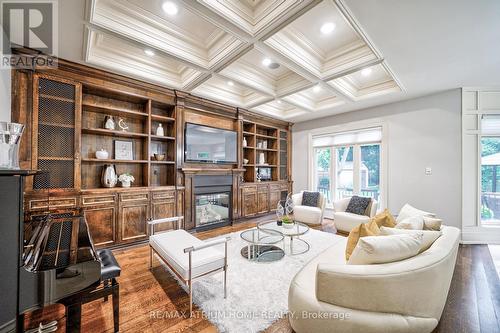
pixel 473 303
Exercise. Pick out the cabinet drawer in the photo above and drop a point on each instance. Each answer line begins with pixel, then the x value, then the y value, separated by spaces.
pixel 263 189
pixel 274 187
pixel 284 187
pixel 54 203
pixel 98 200
pixel 249 189
pixel 129 197
pixel 163 195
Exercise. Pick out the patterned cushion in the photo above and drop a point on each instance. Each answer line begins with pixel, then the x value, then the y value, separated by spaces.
pixel 310 199
pixel 357 205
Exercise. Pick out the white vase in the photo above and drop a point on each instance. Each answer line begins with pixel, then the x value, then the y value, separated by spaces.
pixel 245 142
pixel 262 159
pixel 109 123
pixel 160 131
pixel 125 184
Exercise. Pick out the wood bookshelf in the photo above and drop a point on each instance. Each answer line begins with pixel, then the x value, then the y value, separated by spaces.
pixel 142 116
pixel 266 140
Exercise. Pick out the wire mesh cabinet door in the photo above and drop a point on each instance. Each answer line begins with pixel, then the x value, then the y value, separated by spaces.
pixel 56 132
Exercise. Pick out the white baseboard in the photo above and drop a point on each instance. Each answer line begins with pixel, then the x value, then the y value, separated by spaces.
pixel 481 235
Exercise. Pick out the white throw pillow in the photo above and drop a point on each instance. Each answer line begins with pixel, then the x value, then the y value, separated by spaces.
pixel 409 211
pixel 384 249
pixel 413 222
pixel 429 236
pixel 432 223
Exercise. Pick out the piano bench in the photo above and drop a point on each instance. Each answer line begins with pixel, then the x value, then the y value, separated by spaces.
pixel 110 270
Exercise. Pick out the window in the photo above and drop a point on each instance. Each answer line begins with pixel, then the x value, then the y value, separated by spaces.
pixel 490 170
pixel 322 175
pixel 490 180
pixel 347 164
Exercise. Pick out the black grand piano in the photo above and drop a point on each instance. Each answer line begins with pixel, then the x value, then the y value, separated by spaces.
pixel 60 265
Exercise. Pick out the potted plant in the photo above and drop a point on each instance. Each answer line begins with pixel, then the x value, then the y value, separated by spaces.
pixel 126 179
pixel 287 222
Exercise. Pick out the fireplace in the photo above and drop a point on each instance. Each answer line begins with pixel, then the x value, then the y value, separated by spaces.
pixel 213 201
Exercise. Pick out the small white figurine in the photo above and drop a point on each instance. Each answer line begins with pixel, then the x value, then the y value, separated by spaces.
pixel 160 131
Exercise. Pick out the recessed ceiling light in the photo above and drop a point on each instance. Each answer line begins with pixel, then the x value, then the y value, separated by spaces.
pixel 278 101
pixel 230 83
pixel 149 52
pixel 327 28
pixel 317 88
pixel 170 8
pixel 366 71
pixel 266 62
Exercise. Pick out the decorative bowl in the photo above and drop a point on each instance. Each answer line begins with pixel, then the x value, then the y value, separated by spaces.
pixel 245 161
pixel 288 225
pixel 102 154
pixel 159 157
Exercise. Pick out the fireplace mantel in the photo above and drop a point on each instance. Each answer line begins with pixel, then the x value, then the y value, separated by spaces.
pixel 189 175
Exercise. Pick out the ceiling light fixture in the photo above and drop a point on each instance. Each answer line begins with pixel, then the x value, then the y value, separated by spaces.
pixel 278 101
pixel 366 71
pixel 266 62
pixel 327 28
pixel 230 83
pixel 149 52
pixel 317 88
pixel 170 8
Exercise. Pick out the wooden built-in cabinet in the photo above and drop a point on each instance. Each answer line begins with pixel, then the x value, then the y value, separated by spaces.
pixel 64 111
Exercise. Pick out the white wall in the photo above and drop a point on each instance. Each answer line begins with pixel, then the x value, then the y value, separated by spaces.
pixel 4 93
pixel 421 132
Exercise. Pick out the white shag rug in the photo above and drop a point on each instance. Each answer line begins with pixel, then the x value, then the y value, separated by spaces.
pixel 257 293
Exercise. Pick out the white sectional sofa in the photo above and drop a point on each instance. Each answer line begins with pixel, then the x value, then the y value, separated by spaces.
pixel 403 296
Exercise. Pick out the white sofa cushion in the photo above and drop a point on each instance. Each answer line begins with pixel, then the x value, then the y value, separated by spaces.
pixel 432 223
pixel 384 249
pixel 413 222
pixel 170 246
pixel 429 236
pixel 307 214
pixel 347 221
pixel 409 211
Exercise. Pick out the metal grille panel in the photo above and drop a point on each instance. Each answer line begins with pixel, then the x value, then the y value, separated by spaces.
pixel 56 134
pixel 56 89
pixel 61 174
pixel 56 112
pixel 55 141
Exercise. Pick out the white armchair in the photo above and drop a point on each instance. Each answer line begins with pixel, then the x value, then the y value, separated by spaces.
pixel 308 214
pixel 347 221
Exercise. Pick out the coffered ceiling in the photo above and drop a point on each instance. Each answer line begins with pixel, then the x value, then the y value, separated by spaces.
pixel 284 58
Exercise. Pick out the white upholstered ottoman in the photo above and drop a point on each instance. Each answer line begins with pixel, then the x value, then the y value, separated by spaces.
pixel 187 256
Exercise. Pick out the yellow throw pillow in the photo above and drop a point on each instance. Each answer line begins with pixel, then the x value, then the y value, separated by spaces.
pixel 385 219
pixel 366 229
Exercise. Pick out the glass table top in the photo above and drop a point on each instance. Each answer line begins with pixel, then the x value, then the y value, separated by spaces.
pixel 297 229
pixel 266 237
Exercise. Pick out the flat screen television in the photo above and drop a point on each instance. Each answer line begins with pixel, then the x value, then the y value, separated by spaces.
pixel 209 144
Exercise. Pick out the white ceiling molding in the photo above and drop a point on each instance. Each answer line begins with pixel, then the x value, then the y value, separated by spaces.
pixel 211 42
pixel 322 55
pixel 256 17
pixel 314 100
pixel 250 71
pixel 357 86
pixel 183 41
pixel 280 109
pixel 227 91
pixel 115 53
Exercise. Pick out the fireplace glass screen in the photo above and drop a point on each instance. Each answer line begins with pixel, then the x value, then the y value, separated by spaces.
pixel 212 208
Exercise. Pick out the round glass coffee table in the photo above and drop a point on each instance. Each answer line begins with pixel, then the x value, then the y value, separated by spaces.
pixel 262 245
pixel 296 245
